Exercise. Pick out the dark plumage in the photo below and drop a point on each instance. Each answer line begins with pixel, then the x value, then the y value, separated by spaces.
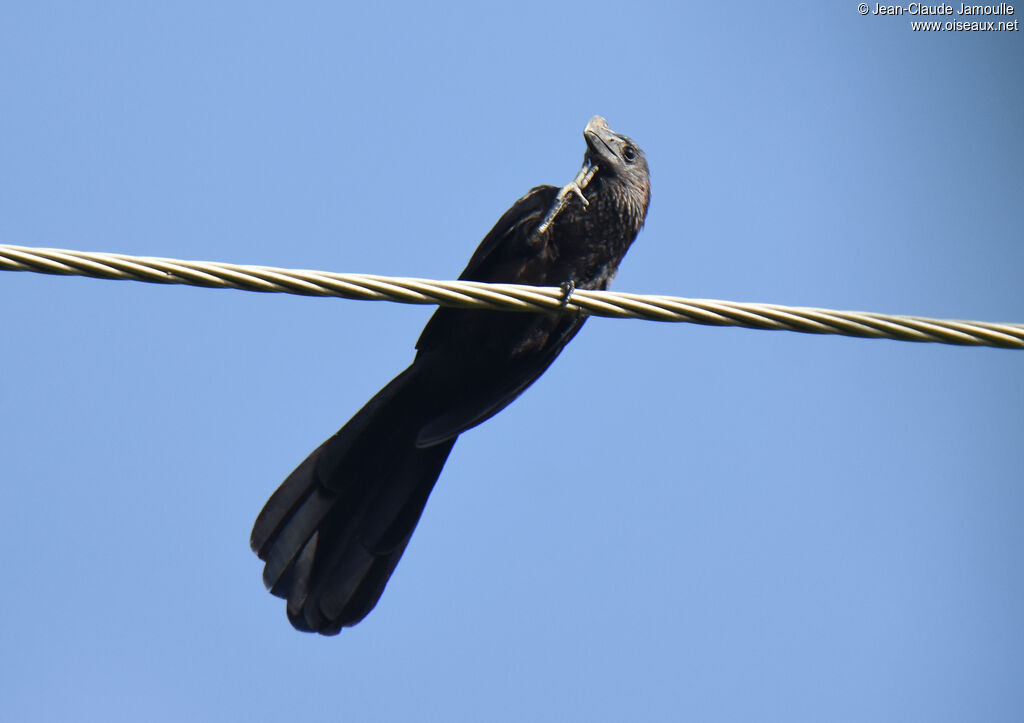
pixel 333 532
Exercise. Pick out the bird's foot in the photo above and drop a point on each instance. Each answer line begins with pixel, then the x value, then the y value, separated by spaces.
pixel 582 180
pixel 574 187
pixel 567 288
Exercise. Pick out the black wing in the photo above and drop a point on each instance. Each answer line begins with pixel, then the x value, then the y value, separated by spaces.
pixel 510 234
pixel 496 355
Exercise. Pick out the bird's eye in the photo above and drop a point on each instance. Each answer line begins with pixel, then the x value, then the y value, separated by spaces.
pixel 629 153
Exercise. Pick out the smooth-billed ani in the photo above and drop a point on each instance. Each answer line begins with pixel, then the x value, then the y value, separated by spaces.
pixel 334 530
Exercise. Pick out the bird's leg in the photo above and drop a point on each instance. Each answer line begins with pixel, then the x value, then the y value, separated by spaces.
pixel 575 186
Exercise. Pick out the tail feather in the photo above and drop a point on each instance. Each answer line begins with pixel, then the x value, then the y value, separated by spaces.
pixel 293 537
pixel 281 505
pixel 334 530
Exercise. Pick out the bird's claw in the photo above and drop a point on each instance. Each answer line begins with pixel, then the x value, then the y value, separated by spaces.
pixel 574 187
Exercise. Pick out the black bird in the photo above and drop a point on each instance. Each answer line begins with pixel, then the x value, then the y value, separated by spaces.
pixel 333 532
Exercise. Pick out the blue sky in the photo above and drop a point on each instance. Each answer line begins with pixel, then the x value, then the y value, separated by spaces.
pixel 675 522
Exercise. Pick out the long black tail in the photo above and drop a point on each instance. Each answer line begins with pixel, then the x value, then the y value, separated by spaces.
pixel 334 530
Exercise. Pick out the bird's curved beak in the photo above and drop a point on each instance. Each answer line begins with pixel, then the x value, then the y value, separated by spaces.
pixel 600 140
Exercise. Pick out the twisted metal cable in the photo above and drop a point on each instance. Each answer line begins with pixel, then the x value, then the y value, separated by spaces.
pixel 510 297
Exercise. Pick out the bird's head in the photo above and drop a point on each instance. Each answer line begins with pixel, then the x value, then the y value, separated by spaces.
pixel 615 155
pixel 621 168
